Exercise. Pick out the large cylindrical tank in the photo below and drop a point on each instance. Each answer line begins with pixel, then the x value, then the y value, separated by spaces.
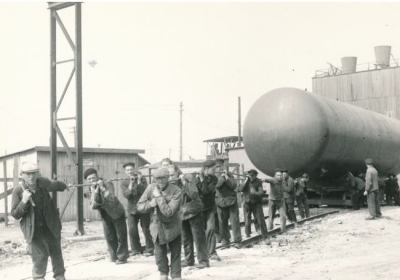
pixel 382 55
pixel 349 64
pixel 301 131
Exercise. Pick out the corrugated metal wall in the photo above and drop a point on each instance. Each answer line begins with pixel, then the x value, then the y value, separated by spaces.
pixel 375 90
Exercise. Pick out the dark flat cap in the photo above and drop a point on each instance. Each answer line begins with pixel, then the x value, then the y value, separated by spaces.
pixel 209 163
pixel 252 171
pixel 128 164
pixel 278 170
pixel 89 172
pixel 369 161
pixel 219 160
pixel 285 170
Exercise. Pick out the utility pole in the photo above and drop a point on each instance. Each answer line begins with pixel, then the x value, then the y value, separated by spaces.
pixel 180 148
pixel 239 124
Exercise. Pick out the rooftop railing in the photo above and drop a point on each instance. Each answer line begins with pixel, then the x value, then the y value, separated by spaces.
pixel 334 71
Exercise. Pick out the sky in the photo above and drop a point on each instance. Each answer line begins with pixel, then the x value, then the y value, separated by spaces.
pixel 152 56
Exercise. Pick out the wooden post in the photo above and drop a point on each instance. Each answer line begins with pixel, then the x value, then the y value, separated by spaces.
pixel 180 138
pixel 5 192
pixel 149 175
pixel 239 124
pixel 16 181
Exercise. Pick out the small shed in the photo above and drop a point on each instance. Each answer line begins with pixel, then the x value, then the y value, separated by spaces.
pixel 108 163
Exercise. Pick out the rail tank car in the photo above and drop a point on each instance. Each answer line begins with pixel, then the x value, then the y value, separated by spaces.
pixel 303 132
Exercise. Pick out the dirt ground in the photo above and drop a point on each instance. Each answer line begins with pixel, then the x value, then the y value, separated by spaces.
pixel 339 246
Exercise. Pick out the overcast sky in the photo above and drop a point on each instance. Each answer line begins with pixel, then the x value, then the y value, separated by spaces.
pixel 152 56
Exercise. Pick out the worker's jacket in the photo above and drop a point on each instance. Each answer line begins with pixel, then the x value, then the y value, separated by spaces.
pixel 288 188
pixel 252 190
pixel 166 224
pixel 107 201
pixel 133 195
pixel 207 191
pixel 226 191
pixel 276 188
pixel 191 201
pixel 371 180
pixel 25 212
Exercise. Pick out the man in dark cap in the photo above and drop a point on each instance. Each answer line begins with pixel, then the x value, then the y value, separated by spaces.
pixel 372 190
pixel 206 182
pixel 219 166
pixel 132 189
pixel 300 185
pixel 227 207
pixel 276 200
pixel 357 186
pixel 252 194
pixel 40 222
pixel 112 214
pixel 163 201
pixel 193 231
pixel 290 195
pixel 392 190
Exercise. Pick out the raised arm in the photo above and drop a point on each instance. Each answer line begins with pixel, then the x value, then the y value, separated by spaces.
pixel 270 179
pixel 144 204
pixel 129 188
pixel 18 208
pixel 52 185
pixel 168 209
pixel 243 185
pixel 228 179
pixel 208 185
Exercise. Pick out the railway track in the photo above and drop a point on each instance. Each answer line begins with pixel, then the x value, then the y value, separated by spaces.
pixel 254 239
pixel 245 242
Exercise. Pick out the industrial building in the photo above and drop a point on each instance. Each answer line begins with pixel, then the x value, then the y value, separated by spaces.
pixel 108 162
pixel 373 86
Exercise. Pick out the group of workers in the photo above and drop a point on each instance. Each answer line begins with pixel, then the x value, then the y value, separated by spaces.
pixel 175 210
pixel 369 184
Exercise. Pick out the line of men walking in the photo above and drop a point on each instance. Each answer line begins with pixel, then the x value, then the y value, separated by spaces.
pixel 176 209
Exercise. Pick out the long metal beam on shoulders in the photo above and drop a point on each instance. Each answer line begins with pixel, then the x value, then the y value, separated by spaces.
pixel 3 194
pixel 9 180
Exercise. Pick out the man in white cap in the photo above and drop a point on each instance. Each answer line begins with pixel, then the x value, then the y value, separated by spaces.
pixel 372 190
pixel 40 221
pixel 163 200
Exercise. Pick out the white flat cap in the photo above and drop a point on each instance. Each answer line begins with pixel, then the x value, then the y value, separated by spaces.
pixel 161 172
pixel 29 167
